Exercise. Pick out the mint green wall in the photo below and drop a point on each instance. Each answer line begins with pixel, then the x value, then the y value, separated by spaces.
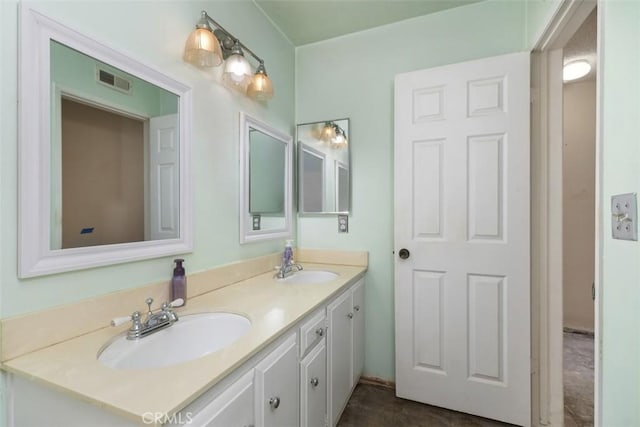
pixel 352 76
pixel 154 33
pixel 73 70
pixel 620 276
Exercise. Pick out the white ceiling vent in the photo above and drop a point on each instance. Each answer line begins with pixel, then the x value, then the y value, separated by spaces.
pixel 107 78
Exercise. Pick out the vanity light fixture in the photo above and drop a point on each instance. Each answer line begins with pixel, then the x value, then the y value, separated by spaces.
pixel 207 47
pixel 334 135
pixel 328 132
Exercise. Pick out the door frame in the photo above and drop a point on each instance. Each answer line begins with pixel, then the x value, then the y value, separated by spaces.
pixel 546 214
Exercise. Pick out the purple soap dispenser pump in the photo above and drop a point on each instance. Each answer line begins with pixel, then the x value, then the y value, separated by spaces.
pixel 179 282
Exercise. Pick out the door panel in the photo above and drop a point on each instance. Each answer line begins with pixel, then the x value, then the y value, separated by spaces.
pixel 462 210
pixel 164 176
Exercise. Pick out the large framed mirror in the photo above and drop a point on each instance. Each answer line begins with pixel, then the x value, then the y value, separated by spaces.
pixel 104 154
pixel 265 181
pixel 324 167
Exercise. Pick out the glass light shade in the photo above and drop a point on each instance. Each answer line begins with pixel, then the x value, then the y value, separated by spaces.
pixel 237 71
pixel 260 88
pixel 202 49
pixel 575 70
pixel 328 133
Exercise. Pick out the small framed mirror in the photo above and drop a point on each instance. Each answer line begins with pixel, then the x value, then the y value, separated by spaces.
pixel 104 154
pixel 324 167
pixel 265 181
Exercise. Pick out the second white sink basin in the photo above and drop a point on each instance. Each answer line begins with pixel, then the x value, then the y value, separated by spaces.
pixel 191 337
pixel 310 277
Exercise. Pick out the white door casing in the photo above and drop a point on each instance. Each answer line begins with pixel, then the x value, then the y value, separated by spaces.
pixel 462 298
pixel 164 177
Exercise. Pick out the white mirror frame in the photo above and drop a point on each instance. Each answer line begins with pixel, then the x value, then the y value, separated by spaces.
pixel 246 234
pixel 35 257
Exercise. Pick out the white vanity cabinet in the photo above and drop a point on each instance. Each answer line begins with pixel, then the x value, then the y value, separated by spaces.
pixel 303 378
pixel 345 347
pixel 313 371
pixel 277 401
pixel 228 409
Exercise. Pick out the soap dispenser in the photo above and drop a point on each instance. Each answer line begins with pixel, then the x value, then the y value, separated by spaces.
pixel 288 253
pixel 179 282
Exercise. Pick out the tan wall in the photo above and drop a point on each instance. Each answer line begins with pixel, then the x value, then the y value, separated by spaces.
pixel 102 176
pixel 579 203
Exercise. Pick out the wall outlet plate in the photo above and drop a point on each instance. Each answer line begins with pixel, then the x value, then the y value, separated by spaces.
pixel 624 216
pixel 343 223
pixel 255 219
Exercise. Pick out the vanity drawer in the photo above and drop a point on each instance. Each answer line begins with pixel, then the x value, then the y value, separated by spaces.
pixel 312 331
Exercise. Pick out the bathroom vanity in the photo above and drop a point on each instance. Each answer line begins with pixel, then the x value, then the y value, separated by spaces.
pixel 297 364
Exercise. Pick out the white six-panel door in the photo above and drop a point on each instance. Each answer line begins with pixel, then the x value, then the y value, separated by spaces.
pixel 462 298
pixel 164 190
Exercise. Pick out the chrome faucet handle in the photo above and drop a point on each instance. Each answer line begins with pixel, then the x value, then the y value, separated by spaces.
pixel 149 301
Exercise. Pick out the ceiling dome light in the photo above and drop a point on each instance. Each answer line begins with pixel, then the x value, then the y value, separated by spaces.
pixel 575 70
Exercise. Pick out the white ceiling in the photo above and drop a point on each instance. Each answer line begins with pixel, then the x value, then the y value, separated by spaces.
pixel 308 21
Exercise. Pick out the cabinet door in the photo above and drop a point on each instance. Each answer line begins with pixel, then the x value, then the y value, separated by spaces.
pixel 229 409
pixel 277 398
pixel 313 387
pixel 340 354
pixel 358 330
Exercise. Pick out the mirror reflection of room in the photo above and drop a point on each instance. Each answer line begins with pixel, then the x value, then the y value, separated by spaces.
pixel 114 156
pixel 324 175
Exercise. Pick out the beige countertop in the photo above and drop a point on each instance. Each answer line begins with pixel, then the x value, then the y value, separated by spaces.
pixel 273 308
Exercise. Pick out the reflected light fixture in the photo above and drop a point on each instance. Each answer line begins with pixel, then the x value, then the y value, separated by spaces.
pixel 333 135
pixel 206 47
pixel 328 132
pixel 340 139
pixel 575 69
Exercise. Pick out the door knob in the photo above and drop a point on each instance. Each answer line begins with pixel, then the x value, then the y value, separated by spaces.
pixel 404 253
pixel 315 381
pixel 274 402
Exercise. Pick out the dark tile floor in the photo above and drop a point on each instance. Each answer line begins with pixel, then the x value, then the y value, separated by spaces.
pixel 578 380
pixel 375 406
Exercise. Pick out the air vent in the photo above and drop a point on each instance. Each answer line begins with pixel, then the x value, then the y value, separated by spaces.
pixel 113 81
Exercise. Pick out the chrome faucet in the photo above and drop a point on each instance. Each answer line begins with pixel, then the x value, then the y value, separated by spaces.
pixel 286 269
pixel 153 322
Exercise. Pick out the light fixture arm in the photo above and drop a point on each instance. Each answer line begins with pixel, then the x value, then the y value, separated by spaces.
pixel 209 20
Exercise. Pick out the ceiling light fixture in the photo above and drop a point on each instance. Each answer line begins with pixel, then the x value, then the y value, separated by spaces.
pixel 575 69
pixel 206 47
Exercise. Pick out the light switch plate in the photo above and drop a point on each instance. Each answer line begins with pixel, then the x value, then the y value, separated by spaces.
pixel 343 223
pixel 624 216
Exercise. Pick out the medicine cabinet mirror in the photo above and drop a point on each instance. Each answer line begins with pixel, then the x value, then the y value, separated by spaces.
pixel 324 167
pixel 104 151
pixel 265 181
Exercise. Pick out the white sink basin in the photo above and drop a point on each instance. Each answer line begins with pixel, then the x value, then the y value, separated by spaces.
pixel 191 337
pixel 310 277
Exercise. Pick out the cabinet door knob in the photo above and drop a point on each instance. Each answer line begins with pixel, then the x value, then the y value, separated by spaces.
pixel 356 308
pixel 315 381
pixel 350 315
pixel 404 253
pixel 320 332
pixel 274 402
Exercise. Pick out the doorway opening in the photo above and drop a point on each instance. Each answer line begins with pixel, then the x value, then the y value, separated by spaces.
pixel 579 225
